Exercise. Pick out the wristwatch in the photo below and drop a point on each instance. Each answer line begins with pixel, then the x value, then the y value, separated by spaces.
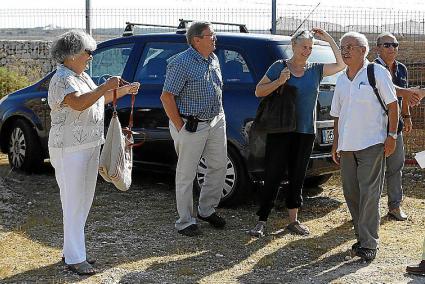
pixel 406 116
pixel 393 135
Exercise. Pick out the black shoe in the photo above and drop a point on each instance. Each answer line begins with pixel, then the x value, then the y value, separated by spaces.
pixel 417 269
pixel 190 231
pixel 214 220
pixel 354 249
pixel 366 253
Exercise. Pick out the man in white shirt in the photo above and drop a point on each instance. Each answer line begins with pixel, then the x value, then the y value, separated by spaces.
pixel 362 139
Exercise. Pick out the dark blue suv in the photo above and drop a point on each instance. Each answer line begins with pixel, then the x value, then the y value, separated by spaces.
pixel 244 59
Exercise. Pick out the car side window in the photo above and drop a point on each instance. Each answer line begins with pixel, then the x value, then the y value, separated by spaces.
pixel 233 67
pixel 109 61
pixel 153 63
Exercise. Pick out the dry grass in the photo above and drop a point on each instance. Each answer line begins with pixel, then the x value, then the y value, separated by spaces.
pixel 132 236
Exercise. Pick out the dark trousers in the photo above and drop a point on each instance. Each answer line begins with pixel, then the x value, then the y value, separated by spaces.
pixel 285 152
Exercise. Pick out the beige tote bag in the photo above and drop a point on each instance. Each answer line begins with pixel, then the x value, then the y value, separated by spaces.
pixel 116 159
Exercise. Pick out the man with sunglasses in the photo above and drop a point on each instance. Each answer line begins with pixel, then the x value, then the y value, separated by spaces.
pixel 192 99
pixel 387 50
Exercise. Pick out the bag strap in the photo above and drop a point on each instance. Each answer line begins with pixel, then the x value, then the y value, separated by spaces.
pixel 372 83
pixel 130 119
pixel 114 101
pixel 276 92
pixel 114 104
pixel 127 130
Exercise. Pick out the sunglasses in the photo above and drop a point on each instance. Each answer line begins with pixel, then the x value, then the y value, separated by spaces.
pixel 389 44
pixel 307 34
pixel 89 52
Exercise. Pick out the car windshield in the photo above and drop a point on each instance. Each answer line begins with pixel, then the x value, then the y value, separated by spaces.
pixel 320 54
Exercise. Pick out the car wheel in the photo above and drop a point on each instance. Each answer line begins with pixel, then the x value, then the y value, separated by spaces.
pixel 24 150
pixel 316 180
pixel 236 184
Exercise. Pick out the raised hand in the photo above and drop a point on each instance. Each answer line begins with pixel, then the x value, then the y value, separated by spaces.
pixel 112 82
pixel 132 88
pixel 321 34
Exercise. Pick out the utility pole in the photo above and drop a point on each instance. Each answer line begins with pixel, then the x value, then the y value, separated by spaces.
pixel 273 30
pixel 88 17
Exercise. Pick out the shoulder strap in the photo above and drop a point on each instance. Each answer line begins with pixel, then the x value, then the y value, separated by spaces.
pixel 283 61
pixel 372 83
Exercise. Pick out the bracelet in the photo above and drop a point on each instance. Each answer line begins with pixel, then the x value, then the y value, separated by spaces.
pixel 406 116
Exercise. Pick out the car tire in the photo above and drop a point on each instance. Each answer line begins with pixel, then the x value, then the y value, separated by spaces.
pixel 237 184
pixel 24 149
pixel 315 181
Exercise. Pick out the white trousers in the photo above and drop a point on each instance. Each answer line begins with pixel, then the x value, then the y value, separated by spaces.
pixel 76 175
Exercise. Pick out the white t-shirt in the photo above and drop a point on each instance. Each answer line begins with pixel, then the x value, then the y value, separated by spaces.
pixel 71 129
pixel 362 120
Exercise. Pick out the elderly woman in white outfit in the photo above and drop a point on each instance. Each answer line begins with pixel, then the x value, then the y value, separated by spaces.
pixel 76 135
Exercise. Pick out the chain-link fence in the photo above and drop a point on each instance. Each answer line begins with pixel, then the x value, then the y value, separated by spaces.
pixel 407 26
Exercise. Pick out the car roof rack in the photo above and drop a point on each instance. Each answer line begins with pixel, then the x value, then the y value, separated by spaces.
pixel 181 28
pixel 183 25
pixel 129 28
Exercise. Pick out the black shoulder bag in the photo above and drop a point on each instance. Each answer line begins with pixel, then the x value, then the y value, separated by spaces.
pixel 275 114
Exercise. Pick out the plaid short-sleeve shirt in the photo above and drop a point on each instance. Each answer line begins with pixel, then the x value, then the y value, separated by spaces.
pixel 196 83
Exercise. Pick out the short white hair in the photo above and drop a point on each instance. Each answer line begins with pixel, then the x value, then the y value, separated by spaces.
pixel 71 43
pixel 360 38
pixel 384 34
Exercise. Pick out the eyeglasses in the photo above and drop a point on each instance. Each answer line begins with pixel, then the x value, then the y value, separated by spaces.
pixel 389 44
pixel 211 35
pixel 89 52
pixel 348 48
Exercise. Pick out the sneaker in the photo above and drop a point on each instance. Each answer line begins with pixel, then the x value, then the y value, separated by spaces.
pixel 190 231
pixel 398 214
pixel 298 228
pixel 258 230
pixel 214 219
pixel 417 269
pixel 366 253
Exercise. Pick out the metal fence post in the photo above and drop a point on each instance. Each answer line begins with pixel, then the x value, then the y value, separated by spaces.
pixel 88 17
pixel 273 30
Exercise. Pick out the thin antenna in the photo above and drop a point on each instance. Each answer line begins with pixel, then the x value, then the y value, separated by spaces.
pixel 311 12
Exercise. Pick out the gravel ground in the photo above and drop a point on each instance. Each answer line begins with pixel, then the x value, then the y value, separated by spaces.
pixel 132 236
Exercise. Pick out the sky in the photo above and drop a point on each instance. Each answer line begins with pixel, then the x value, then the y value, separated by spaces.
pixel 31 4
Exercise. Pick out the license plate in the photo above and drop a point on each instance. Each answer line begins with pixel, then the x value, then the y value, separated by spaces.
pixel 327 136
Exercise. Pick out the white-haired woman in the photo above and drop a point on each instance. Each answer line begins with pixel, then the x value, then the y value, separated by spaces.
pixel 291 151
pixel 76 135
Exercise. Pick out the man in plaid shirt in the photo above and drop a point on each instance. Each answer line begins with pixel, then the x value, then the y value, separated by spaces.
pixel 192 99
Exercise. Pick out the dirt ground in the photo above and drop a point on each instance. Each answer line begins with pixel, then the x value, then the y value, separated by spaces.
pixel 132 236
